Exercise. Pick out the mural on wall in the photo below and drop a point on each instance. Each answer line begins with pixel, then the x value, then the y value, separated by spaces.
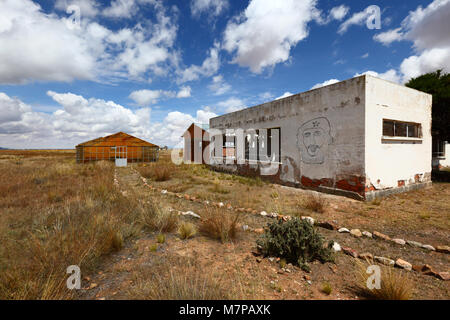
pixel 313 138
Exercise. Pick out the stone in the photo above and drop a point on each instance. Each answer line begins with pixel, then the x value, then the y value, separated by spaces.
pixel 403 264
pixel 443 249
pixel 379 235
pixel 258 260
pixel 328 225
pixel 274 214
pixel 163 191
pixel 367 234
pixel 399 241
pixel 263 213
pixel 187 197
pixel 344 230
pixel 365 256
pixel 428 247
pixel 306 277
pixel 444 276
pixel 220 204
pixel 245 227
pixel 350 252
pixel 414 243
pixel 356 233
pixel 385 261
pixel 309 219
pixel 417 267
pixel 190 213
pixel 229 207
pixel 336 247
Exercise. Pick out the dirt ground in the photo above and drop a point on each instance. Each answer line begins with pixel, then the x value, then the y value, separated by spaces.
pixel 415 216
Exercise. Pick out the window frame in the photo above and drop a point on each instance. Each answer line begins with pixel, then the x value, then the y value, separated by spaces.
pixel 407 125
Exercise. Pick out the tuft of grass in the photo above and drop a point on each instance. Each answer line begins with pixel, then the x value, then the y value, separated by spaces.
pixel 376 201
pixel 157 218
pixel 186 230
pixel 187 282
pixel 159 171
pixel 315 202
pixel 161 238
pixel 219 224
pixel 154 248
pixel 217 188
pixel 394 285
pixel 326 288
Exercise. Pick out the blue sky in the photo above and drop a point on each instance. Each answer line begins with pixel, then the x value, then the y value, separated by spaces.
pixel 151 67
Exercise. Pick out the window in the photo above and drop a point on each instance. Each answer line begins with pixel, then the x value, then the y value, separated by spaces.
pixel 263 145
pixel 394 128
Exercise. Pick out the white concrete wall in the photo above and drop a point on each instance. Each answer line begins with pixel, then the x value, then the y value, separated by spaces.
pixel 388 161
pixel 336 110
pixel 446 162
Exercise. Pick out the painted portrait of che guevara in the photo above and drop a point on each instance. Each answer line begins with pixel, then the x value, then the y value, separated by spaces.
pixel 313 138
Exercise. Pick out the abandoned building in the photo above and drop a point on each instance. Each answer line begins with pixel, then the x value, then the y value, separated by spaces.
pixel 196 141
pixel 362 138
pixel 119 147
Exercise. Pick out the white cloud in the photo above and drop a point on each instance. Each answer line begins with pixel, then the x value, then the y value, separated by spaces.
pixel 428 29
pixel 338 13
pixel 426 61
pixel 88 8
pixel 230 105
pixel 45 47
pixel 365 55
pixel 390 75
pixel 265 32
pixel 219 86
pixel 266 96
pixel 211 7
pixel 78 119
pixel 209 67
pixel 284 95
pixel 146 97
pixel 358 18
pixel 325 83
pixel 38 46
pixel 185 92
pixel 390 36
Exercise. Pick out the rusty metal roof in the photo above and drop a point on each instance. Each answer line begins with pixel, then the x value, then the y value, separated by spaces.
pixel 117 139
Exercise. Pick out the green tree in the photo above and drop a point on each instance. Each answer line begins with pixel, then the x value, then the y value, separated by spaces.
pixel 438 84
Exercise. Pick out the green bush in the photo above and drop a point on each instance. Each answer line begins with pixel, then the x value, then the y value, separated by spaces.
pixel 296 241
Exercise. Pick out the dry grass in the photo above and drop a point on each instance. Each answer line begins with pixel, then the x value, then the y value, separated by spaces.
pixel 56 214
pixel 187 230
pixel 159 171
pixel 395 284
pixel 314 202
pixel 157 218
pixel 184 280
pixel 219 224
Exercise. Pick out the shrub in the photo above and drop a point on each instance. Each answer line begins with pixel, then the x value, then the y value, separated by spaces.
pixel 296 241
pixel 315 203
pixel 157 218
pixel 394 284
pixel 161 238
pixel 326 288
pixel 186 230
pixel 219 224
pixel 162 173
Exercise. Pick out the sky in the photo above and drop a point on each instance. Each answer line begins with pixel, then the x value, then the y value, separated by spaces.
pixel 74 70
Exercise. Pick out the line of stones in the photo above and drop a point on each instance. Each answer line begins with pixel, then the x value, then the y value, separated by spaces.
pixel 400 263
